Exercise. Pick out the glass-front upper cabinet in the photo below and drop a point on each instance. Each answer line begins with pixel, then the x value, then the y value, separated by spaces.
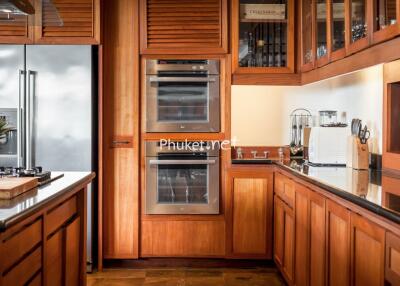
pixel 307 39
pixel 359 27
pixel 263 36
pixel 385 21
pixel 321 32
pixel 338 28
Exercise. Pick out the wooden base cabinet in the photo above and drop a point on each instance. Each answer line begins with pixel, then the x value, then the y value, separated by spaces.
pixel 338 244
pixel 310 237
pixel 392 263
pixel 367 252
pixel 284 239
pixel 250 209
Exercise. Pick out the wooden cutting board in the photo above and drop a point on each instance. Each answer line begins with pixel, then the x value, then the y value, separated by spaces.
pixel 12 187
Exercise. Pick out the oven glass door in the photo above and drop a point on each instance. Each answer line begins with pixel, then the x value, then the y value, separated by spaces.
pixel 182 186
pixel 183 103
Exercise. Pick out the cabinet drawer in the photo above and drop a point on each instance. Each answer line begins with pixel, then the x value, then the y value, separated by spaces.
pixel 25 270
pixel 284 188
pixel 21 242
pixel 59 215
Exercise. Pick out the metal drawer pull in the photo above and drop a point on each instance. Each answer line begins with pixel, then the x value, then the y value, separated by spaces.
pixel 182 162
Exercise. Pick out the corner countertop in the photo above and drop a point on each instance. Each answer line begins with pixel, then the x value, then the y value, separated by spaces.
pixel 11 211
pixel 363 188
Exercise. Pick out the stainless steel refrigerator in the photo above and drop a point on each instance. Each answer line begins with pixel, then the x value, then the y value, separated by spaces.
pixel 47 98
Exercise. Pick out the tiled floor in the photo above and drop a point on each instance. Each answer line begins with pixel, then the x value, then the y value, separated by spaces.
pixel 260 276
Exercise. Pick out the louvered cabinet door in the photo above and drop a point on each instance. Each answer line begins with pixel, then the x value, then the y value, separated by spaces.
pixel 183 26
pixel 15 29
pixel 68 22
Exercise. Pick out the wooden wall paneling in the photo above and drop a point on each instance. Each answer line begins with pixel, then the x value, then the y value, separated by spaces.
pixel 338 244
pixel 392 259
pixel 121 119
pixel 80 22
pixel 391 109
pixel 184 27
pixel 367 252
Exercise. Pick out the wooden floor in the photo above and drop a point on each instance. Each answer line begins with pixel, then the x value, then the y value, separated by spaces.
pixel 184 276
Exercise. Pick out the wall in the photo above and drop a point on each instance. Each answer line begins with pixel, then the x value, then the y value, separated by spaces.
pixel 260 114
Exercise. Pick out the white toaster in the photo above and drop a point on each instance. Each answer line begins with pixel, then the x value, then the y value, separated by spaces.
pixel 328 145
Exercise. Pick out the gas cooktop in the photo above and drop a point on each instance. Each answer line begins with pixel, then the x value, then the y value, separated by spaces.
pixel 37 172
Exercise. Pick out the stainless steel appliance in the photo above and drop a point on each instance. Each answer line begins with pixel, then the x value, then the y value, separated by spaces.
pixel 182 178
pixel 47 93
pixel 182 96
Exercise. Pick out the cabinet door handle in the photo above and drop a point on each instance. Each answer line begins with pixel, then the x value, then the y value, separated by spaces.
pixel 121 142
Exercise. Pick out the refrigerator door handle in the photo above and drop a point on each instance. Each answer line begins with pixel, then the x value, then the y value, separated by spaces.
pixel 20 118
pixel 30 100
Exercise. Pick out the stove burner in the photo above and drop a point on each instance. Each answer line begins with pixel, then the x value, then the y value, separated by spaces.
pixel 22 172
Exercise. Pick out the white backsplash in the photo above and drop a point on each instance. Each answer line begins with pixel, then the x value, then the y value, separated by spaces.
pixel 260 114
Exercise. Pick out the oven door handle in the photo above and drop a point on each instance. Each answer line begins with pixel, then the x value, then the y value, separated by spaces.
pixel 181 79
pixel 182 162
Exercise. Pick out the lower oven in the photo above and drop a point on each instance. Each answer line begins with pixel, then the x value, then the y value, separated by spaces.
pixel 182 178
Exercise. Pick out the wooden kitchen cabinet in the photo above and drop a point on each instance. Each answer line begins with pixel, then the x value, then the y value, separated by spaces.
pixel 386 20
pixel 251 204
pixel 54 22
pixel 262 44
pixel 310 237
pixel 367 252
pixel 63 261
pixel 359 26
pixel 392 260
pixel 17 30
pixel 338 244
pixel 119 198
pixel 391 116
pixel 67 22
pixel 284 239
pixel 184 27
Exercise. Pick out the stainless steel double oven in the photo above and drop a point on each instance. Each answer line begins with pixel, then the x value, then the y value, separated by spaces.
pixel 182 178
pixel 182 96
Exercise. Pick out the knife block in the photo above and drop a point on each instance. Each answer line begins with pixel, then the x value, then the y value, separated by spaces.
pixel 357 154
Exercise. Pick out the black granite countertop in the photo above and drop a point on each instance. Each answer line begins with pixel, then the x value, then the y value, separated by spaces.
pixel 363 188
pixel 11 211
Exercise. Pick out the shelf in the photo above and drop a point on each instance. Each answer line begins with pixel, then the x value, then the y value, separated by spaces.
pixel 263 21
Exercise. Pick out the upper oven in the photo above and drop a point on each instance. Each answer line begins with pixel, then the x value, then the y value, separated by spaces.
pixel 182 96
